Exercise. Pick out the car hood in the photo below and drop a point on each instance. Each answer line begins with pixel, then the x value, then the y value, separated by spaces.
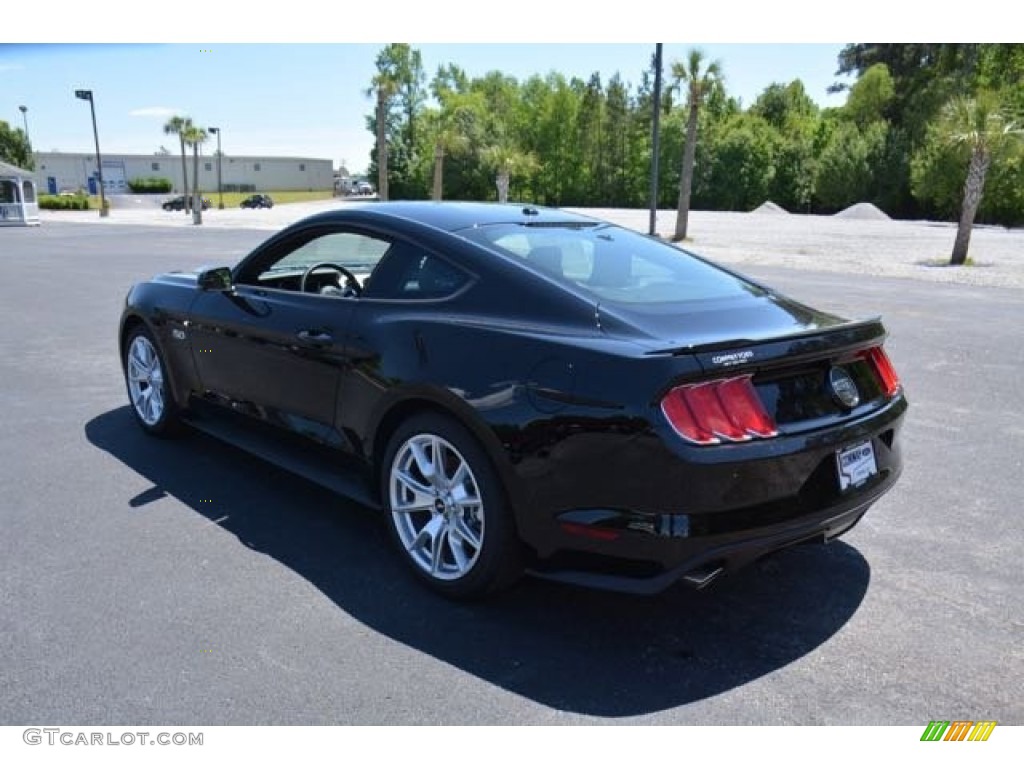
pixel 188 279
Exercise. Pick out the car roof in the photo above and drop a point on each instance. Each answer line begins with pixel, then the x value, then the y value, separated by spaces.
pixel 453 216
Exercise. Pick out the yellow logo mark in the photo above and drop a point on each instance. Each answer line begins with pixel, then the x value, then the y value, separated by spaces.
pixel 982 730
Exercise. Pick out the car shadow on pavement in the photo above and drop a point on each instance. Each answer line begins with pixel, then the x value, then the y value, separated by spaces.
pixel 571 649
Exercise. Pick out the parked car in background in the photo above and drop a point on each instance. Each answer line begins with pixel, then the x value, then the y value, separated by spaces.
pixel 526 389
pixel 258 201
pixel 178 203
pixel 363 188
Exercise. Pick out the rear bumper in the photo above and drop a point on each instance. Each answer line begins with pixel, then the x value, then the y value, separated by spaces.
pixel 710 559
pixel 670 517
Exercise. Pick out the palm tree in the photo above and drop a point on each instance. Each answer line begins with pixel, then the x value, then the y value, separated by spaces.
pixel 698 81
pixel 507 159
pixel 177 126
pixel 194 136
pixel 384 87
pixel 982 125
pixel 450 138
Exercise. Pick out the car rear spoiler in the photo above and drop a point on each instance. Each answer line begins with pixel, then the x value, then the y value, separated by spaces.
pixel 794 347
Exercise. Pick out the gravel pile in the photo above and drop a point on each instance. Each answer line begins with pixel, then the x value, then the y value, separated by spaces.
pixel 769 207
pixel 863 212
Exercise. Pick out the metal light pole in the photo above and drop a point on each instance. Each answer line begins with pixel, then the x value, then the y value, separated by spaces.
pixel 220 186
pixel 24 117
pixel 655 140
pixel 87 96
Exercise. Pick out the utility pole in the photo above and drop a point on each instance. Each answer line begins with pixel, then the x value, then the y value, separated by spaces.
pixel 220 185
pixel 87 96
pixel 655 140
pixel 24 117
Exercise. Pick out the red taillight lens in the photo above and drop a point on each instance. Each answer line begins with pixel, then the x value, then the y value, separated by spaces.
pixel 709 412
pixel 706 404
pixel 884 368
pixel 683 420
pixel 745 407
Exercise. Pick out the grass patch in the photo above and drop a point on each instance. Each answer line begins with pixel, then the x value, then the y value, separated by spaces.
pixel 969 262
pixel 66 203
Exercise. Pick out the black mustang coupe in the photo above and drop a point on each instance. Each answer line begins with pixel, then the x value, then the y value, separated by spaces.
pixel 525 389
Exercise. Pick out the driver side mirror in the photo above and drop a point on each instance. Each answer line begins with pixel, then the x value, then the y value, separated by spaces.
pixel 215 279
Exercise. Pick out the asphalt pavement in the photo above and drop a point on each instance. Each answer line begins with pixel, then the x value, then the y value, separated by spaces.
pixel 147 581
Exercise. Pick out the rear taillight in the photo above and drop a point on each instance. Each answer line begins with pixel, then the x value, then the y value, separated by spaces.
pixel 884 368
pixel 713 411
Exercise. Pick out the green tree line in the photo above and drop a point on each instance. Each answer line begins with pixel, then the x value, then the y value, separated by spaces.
pixel 574 142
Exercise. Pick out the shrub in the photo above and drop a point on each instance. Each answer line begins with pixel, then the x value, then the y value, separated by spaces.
pixel 152 185
pixel 64 202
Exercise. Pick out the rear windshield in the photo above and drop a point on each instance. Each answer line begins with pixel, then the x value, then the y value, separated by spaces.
pixel 614 264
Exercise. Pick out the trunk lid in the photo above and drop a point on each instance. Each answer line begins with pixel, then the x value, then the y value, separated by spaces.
pixel 788 349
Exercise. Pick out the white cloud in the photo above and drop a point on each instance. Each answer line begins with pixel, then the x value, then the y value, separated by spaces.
pixel 10 67
pixel 155 112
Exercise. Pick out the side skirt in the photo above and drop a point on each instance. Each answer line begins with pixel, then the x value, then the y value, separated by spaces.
pixel 318 465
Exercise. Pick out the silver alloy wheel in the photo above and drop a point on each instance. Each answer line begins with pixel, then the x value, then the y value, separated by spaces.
pixel 436 507
pixel 145 380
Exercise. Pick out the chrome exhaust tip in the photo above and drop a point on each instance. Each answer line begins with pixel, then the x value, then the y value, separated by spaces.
pixel 701 577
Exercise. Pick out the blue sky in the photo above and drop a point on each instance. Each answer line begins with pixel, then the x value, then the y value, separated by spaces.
pixel 290 80
pixel 308 99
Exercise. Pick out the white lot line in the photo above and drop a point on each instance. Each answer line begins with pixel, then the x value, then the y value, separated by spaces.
pixel 822 243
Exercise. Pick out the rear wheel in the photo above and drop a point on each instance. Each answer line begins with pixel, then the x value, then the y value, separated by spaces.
pixel 146 378
pixel 447 510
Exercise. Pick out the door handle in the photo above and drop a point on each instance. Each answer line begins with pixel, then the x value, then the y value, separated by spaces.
pixel 315 337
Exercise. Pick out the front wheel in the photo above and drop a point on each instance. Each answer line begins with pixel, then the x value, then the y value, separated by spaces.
pixel 447 510
pixel 148 390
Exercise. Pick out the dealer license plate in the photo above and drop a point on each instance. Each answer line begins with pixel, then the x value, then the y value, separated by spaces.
pixel 856 465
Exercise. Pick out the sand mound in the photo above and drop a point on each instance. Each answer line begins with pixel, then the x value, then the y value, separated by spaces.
pixel 769 207
pixel 864 212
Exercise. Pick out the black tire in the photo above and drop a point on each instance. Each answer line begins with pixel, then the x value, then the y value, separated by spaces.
pixel 149 392
pixel 451 562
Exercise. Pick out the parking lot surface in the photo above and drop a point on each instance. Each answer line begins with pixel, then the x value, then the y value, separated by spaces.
pixel 181 581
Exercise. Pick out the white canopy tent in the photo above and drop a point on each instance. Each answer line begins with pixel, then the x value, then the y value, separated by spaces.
pixel 19 205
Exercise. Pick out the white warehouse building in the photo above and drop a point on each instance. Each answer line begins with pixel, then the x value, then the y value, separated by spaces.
pixel 71 171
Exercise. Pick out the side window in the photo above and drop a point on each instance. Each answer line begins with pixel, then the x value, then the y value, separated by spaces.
pixel 410 273
pixel 357 253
